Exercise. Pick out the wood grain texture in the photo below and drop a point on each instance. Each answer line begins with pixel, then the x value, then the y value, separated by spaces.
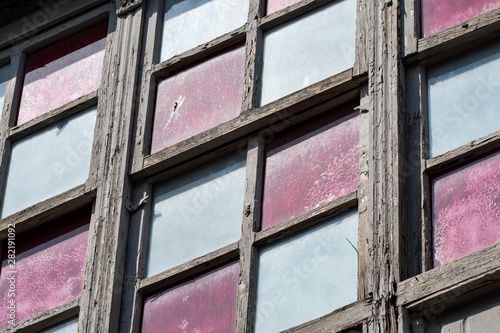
pixel 362 38
pixel 410 10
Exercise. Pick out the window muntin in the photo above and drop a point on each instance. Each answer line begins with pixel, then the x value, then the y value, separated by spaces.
pixel 67 327
pixel 49 162
pixel 466 209
pixel 311 164
pixel 203 304
pixel 275 5
pixel 198 98
pixel 308 275
pixel 4 78
pixel 438 15
pixel 189 23
pixel 62 72
pixel 196 213
pixel 463 99
pixel 295 55
pixel 50 262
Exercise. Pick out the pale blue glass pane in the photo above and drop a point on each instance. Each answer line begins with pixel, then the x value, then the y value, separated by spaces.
pixel 307 276
pixel 49 162
pixel 4 78
pixel 67 327
pixel 463 99
pixel 189 23
pixel 196 213
pixel 308 50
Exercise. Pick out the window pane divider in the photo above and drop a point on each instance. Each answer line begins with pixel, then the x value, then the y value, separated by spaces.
pixel 290 12
pixel 48 209
pixel 47 318
pixel 188 269
pixel 307 219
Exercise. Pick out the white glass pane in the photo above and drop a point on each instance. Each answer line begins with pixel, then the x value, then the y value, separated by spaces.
pixel 49 162
pixel 196 213
pixel 308 275
pixel 189 23
pixel 463 94
pixel 4 78
pixel 308 50
pixel 67 327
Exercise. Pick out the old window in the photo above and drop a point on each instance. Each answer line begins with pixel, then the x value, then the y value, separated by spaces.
pixel 48 268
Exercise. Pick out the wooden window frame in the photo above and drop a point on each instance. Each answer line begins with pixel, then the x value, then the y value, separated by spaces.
pixel 77 197
pixel 427 291
pixel 246 134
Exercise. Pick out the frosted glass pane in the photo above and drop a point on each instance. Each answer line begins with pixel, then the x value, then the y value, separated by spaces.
pixel 198 98
pixel 275 5
pixel 308 50
pixel 464 94
pixel 308 275
pixel 466 210
pixel 189 23
pixel 63 72
pixel 49 162
pixel 205 304
pixel 196 213
pixel 49 267
pixel 311 164
pixel 4 78
pixel 67 327
pixel 438 15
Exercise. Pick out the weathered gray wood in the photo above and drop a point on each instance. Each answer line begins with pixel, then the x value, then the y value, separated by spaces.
pixel 290 12
pixel 410 10
pixel 384 169
pixel 307 219
pixel 190 268
pixel 457 39
pixel 464 153
pixel 456 277
pixel 251 221
pixel 363 195
pixel 101 299
pixel 362 38
pixel 33 23
pixel 47 210
pixel 345 318
pixel 51 117
pixel 128 6
pixel 47 318
pixel 200 52
pixel 250 121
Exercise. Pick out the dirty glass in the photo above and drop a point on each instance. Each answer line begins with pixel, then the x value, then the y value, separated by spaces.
pixel 4 78
pixel 295 55
pixel 49 266
pixel 466 210
pixel 463 99
pixel 67 327
pixel 189 23
pixel 196 213
pixel 198 98
pixel 49 162
pixel 308 275
pixel 62 72
pixel 311 164
pixel 438 15
pixel 204 304
pixel 275 5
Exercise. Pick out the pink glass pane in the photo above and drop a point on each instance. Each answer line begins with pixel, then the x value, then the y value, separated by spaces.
pixel 205 304
pixel 49 266
pixel 438 15
pixel 63 72
pixel 311 164
pixel 466 210
pixel 275 5
pixel 198 99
